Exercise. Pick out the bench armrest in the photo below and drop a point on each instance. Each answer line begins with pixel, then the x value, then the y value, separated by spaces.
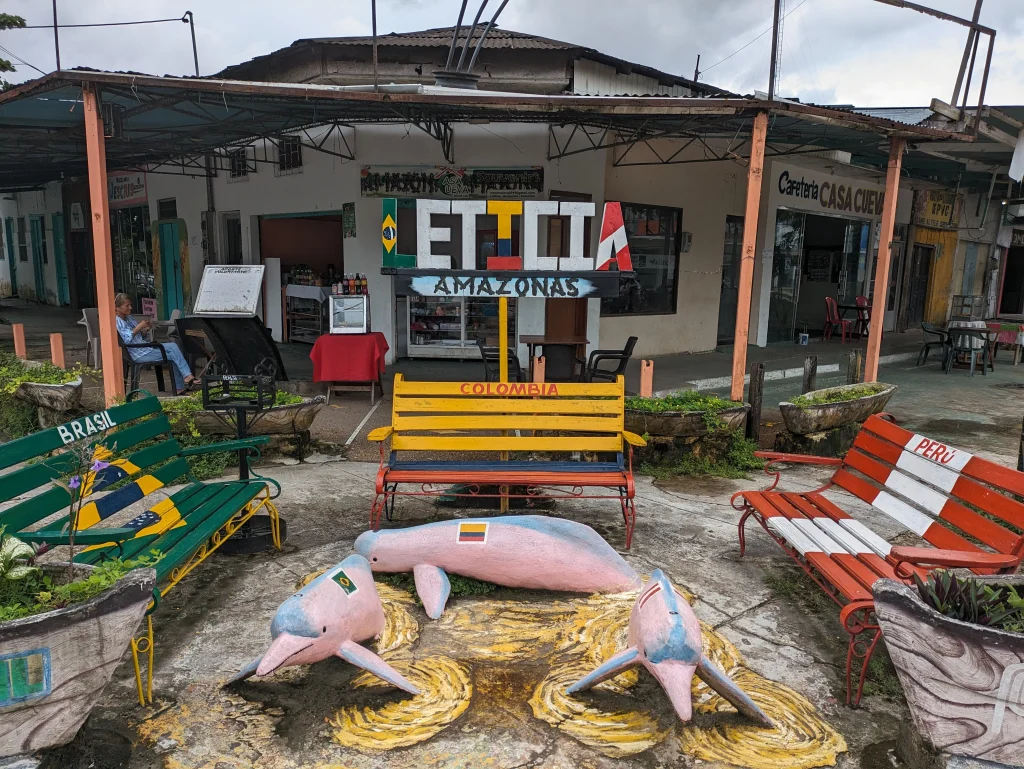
pixel 87 537
pixel 235 445
pixel 774 457
pixel 929 556
pixel 380 433
pixel 633 439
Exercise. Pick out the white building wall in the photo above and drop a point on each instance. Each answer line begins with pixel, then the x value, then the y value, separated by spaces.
pixel 326 182
pixel 44 202
pixel 591 78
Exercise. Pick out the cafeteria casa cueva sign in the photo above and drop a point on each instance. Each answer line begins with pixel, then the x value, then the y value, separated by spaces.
pixel 529 274
pixel 831 194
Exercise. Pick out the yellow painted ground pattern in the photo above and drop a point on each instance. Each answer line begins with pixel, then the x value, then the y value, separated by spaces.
pixel 567 637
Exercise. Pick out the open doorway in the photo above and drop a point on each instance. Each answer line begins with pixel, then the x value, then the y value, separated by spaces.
pixel 1012 300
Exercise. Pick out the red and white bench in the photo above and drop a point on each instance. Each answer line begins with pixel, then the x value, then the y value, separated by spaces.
pixel 932 489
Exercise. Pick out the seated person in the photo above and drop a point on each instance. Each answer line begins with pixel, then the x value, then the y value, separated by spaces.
pixel 132 331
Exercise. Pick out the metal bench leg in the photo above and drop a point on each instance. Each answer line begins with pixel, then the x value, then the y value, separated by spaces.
pixel 629 517
pixel 743 531
pixel 143 644
pixel 857 619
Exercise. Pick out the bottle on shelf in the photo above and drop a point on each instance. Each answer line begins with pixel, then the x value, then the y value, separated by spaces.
pixel 365 285
pixel 344 285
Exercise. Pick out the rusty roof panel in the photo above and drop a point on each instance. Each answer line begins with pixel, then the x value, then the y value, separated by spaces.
pixel 442 37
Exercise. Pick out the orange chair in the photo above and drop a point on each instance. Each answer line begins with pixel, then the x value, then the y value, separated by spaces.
pixel 833 321
pixel 860 327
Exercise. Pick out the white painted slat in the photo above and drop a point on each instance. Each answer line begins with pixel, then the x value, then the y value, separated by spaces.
pixel 937 475
pixel 922 496
pixel 880 547
pixel 900 511
pixel 849 541
pixel 938 452
pixel 785 529
pixel 820 537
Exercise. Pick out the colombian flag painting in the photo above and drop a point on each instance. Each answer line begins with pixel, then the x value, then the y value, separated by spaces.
pixel 472 533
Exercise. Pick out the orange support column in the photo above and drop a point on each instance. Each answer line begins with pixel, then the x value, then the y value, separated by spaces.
pixel 19 340
pixel 892 187
pixel 538 369
pixel 755 172
pixel 57 350
pixel 96 153
pixel 646 378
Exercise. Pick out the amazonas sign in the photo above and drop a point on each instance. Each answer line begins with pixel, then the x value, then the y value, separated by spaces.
pixel 612 249
pixel 507 284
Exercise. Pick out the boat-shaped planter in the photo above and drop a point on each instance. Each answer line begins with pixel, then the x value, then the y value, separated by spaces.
pixel 54 666
pixel 816 418
pixel 290 419
pixel 683 424
pixel 964 683
pixel 56 397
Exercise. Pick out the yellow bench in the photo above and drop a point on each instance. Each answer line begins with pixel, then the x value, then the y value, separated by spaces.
pixel 497 418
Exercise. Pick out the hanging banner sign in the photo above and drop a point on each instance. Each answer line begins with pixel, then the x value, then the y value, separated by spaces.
pixel 612 247
pixel 458 183
pixel 937 208
pixel 126 188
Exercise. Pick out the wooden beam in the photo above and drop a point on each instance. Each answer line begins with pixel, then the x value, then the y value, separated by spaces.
pixel 96 155
pixel 878 301
pixel 755 172
pixel 984 128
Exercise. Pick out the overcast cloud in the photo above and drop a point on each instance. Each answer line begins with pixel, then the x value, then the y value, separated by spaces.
pixel 834 51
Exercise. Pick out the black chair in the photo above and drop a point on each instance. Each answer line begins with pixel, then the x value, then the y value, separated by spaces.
pixel 621 357
pixel 942 341
pixel 969 344
pixel 491 357
pixel 560 363
pixel 133 369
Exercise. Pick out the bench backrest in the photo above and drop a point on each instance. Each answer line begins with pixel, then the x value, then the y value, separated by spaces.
pixel 499 416
pixel 936 490
pixel 140 437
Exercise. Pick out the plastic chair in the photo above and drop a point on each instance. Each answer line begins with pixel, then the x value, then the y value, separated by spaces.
pixel 491 357
pixel 969 343
pixel 90 319
pixel 594 372
pixel 560 363
pixel 133 369
pixel 860 326
pixel 833 321
pixel 930 329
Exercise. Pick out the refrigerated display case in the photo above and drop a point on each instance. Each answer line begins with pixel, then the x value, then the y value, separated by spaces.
pixel 349 314
pixel 448 328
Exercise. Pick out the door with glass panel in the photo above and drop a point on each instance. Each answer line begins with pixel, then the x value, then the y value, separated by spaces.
pixel 786 266
pixel 731 257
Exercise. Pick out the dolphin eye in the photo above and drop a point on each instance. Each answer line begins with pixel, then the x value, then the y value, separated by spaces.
pixel 375 559
pixel 675 613
pixel 325 628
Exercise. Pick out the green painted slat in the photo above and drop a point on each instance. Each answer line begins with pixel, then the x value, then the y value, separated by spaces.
pixel 54 438
pixel 40 474
pixel 33 510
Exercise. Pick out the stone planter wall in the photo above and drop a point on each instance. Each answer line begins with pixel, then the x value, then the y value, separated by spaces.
pixel 682 424
pixel 804 420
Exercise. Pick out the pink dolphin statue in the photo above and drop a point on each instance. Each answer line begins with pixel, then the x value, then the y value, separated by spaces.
pixel 531 551
pixel 664 636
pixel 327 618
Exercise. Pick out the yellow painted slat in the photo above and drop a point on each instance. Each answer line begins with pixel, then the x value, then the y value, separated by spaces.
pixel 502 443
pixel 575 423
pixel 505 405
pixel 505 389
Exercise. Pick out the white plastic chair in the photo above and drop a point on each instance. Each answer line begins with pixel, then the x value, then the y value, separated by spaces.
pixel 90 319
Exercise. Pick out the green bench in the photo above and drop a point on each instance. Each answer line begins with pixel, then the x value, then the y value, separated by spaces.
pixel 135 438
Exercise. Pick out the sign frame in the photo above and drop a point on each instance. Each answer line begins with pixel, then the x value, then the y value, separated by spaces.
pixel 242 282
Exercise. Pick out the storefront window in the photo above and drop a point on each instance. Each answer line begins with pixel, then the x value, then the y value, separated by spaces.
pixel 653 235
pixel 133 253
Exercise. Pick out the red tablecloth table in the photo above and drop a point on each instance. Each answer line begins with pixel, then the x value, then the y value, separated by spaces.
pixel 349 361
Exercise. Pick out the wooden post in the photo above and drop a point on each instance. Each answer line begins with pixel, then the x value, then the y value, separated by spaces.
pixel 57 350
pixel 647 378
pixel 1020 451
pixel 756 395
pixel 19 340
pixel 810 373
pixel 855 367
pixel 538 370
pixel 96 154
pixel 503 338
pixel 892 187
pixel 754 174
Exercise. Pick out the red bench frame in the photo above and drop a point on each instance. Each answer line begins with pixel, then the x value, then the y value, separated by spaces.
pixel 925 485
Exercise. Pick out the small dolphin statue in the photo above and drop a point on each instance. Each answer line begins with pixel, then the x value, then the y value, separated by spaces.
pixel 664 637
pixel 532 551
pixel 326 618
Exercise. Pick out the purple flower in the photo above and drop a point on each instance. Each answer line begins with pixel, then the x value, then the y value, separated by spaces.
pixel 75 482
pixel 98 465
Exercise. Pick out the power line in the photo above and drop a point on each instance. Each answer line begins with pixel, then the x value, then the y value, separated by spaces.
pixel 105 24
pixel 21 60
pixel 707 69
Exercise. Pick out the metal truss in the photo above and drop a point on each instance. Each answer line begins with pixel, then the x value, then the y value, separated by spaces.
pixel 438 129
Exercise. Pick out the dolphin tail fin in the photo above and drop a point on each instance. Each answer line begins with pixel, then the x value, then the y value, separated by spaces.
pixel 433 588
pixel 247 672
pixel 721 683
pixel 363 658
pixel 624 660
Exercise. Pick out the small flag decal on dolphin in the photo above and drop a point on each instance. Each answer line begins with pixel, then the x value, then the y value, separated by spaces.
pixel 345 582
pixel 474 533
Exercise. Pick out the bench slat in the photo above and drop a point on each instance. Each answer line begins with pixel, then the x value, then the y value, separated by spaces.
pixel 500 389
pixel 45 441
pixel 527 406
pixel 401 442
pixel 577 423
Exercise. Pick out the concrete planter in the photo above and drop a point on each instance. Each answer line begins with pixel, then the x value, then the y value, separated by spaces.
pixel 292 419
pixel 682 424
pixel 964 683
pixel 803 420
pixel 54 397
pixel 54 666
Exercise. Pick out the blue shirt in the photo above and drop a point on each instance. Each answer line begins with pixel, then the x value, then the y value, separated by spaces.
pixel 126 330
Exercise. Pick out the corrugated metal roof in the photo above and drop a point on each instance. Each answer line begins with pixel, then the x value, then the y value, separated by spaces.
pixel 442 37
pixel 908 115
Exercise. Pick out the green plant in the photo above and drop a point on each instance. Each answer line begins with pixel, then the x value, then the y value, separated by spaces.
pixel 681 400
pixel 837 395
pixel 968 600
pixel 184 409
pixel 17 417
pixel 460 585
pixel 734 462
pixel 15 557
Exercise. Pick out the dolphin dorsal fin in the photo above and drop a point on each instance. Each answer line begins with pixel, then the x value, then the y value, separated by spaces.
pixel 433 588
pixel 363 658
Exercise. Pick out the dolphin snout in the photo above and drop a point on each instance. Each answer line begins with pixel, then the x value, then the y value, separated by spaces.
pixel 364 543
pixel 282 649
pixel 676 678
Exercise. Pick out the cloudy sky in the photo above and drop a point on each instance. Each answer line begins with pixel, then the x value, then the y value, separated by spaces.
pixel 834 51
